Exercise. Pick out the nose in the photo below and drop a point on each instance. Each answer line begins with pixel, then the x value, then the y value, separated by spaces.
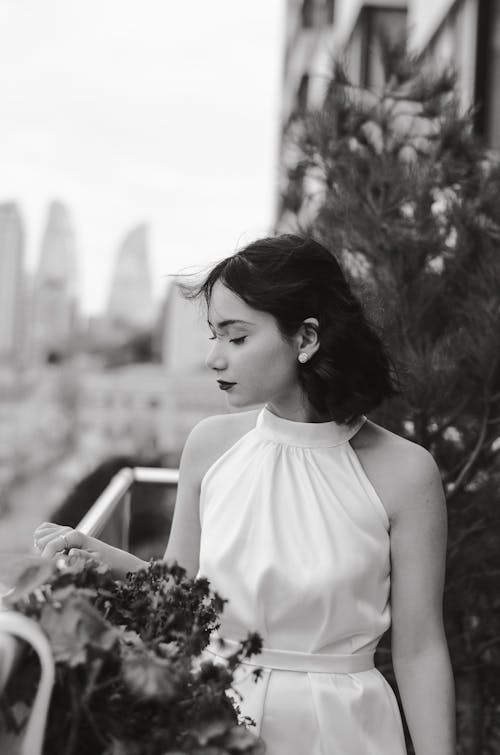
pixel 215 358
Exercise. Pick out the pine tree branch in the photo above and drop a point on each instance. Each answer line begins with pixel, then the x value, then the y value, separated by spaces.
pixel 455 486
pixel 459 482
pixel 486 646
pixel 471 575
pixel 478 526
pixel 449 421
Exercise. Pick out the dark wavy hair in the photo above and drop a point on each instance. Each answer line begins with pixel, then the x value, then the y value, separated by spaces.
pixel 293 278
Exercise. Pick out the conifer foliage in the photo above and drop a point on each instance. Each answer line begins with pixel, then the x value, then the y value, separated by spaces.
pixel 396 184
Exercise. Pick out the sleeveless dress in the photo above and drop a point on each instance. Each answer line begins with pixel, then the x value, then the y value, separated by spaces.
pixel 294 535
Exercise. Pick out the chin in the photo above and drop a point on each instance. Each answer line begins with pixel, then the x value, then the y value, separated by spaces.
pixel 238 401
pixel 235 401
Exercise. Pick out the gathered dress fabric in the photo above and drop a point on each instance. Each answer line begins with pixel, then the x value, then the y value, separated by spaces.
pixel 294 535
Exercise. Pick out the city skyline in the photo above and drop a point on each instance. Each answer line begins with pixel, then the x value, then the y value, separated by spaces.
pixel 161 114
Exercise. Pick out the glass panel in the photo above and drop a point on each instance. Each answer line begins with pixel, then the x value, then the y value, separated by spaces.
pixel 493 80
pixel 382 25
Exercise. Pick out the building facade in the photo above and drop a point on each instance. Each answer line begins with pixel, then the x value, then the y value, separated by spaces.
pixel 12 285
pixel 184 333
pixel 150 408
pixel 54 311
pixel 130 305
pixel 462 33
pixel 143 410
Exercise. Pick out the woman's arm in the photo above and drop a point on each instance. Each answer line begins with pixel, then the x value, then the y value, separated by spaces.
pixel 419 648
pixel 184 541
pixel 52 539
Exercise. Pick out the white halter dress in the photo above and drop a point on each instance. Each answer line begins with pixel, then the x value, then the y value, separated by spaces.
pixel 294 535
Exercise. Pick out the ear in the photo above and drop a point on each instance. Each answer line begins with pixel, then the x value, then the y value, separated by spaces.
pixel 308 337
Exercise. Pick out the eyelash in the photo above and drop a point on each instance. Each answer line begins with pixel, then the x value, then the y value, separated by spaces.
pixel 237 341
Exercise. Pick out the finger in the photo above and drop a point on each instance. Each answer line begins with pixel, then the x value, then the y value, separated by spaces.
pixel 82 553
pixel 46 531
pixel 58 544
pixel 42 531
pixel 56 536
pixel 45 528
pixel 50 545
pixel 53 547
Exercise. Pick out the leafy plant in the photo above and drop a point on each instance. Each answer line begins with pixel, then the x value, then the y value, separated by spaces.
pixel 130 675
pixel 397 183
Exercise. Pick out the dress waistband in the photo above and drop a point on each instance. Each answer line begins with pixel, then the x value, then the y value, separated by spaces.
pixel 292 660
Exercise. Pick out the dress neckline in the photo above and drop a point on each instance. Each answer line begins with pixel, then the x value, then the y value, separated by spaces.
pixel 305 434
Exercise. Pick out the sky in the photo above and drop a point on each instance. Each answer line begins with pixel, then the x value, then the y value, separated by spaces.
pixel 133 111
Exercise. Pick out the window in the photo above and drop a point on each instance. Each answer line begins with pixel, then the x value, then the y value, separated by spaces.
pixel 487 89
pixel 375 28
pixel 302 93
pixel 308 14
pixel 329 11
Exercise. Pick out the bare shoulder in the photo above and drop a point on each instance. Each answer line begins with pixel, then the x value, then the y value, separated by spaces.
pixel 213 436
pixel 398 468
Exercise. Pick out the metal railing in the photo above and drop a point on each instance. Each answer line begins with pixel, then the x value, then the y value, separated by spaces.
pixel 109 517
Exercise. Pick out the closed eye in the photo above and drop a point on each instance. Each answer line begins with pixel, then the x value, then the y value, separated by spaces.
pixel 238 341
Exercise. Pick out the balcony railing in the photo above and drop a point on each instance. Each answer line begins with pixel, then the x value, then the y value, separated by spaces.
pixel 108 519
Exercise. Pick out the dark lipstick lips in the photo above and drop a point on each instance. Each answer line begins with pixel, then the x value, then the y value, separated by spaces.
pixel 224 386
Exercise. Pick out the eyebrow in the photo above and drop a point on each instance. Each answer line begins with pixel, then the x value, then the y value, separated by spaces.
pixel 225 323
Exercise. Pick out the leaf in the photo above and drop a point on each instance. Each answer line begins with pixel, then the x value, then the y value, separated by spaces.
pixel 117 747
pixel 149 676
pixel 34 576
pixel 169 649
pixel 240 739
pixel 74 628
pixel 130 637
pixel 204 731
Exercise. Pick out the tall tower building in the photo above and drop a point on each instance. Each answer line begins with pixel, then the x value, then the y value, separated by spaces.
pixel 55 288
pixel 11 284
pixel 131 303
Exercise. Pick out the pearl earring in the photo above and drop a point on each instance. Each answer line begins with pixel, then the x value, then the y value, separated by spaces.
pixel 303 357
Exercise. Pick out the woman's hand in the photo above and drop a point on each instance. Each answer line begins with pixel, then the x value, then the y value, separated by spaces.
pixel 54 539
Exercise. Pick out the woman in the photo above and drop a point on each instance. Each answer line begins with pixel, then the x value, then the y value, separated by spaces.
pixel 319 526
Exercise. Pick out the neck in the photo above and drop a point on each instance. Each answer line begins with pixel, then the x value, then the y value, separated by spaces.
pixel 297 411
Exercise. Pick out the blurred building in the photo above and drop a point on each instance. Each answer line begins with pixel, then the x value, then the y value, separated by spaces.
pixel 308 53
pixel 461 33
pixel 12 286
pixel 465 34
pixel 150 408
pixel 37 420
pixel 184 333
pixel 54 312
pixel 185 347
pixel 126 409
pixel 141 410
pixel 131 305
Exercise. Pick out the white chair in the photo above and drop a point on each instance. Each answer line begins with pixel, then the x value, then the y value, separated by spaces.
pixel 14 625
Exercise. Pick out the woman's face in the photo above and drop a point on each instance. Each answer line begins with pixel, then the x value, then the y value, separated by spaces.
pixel 251 360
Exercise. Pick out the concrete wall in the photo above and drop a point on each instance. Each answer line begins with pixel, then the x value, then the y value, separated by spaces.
pixel 423 19
pixel 347 12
